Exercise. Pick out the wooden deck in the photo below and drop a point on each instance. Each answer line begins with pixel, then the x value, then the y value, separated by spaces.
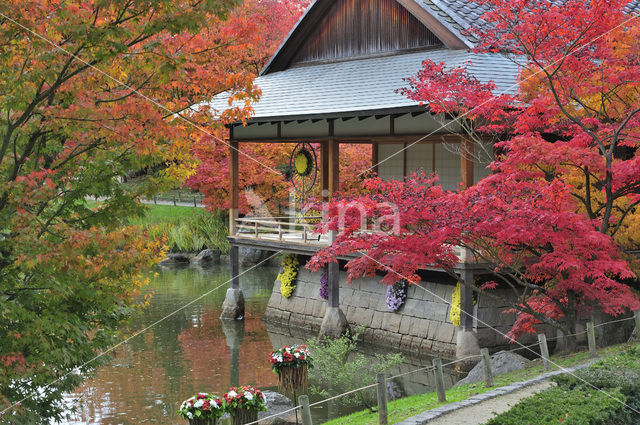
pixel 289 234
pixel 296 235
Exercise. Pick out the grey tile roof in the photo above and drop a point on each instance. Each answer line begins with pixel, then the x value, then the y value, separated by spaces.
pixel 363 85
pixel 462 15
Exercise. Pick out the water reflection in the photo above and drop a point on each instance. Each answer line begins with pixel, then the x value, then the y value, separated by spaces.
pixel 187 352
pixel 193 350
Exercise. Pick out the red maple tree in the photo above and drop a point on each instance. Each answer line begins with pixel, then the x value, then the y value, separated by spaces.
pixel 566 180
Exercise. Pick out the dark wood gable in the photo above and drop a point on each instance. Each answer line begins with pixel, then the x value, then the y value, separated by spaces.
pixel 353 28
pixel 333 30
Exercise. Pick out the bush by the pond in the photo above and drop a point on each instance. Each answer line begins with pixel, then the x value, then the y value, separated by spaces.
pixel 606 393
pixel 339 368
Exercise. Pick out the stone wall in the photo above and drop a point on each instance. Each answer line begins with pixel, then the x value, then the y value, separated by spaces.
pixel 421 325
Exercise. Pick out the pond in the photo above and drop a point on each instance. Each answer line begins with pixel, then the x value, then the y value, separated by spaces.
pixel 187 351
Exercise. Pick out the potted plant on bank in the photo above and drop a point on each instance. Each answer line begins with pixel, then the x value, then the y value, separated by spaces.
pixel 292 364
pixel 244 403
pixel 202 409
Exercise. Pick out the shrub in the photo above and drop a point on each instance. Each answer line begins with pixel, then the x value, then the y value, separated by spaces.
pixel 561 405
pixel 339 368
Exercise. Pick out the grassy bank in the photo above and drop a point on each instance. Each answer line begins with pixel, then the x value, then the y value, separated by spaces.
pixel 186 229
pixel 406 407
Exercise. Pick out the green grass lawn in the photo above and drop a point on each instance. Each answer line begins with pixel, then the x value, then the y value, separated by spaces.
pixel 406 407
pixel 159 214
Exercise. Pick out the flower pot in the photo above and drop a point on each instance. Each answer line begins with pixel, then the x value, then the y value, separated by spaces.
pixel 293 378
pixel 198 421
pixel 242 416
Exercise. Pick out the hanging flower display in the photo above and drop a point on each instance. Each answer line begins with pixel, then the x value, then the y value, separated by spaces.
pixel 244 403
pixel 291 364
pixel 396 295
pixel 324 284
pixel 289 274
pixel 456 299
pixel 202 409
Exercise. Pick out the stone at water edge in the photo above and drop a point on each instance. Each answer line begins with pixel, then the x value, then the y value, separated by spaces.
pixel 210 256
pixel 501 362
pixel 277 403
pixel 176 259
pixel 334 324
pixel 233 306
pixel 466 346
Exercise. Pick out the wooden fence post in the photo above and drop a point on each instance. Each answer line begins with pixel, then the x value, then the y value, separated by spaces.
pixel 637 317
pixel 486 360
pixel 174 200
pixel 544 350
pixel 382 399
pixel 591 338
pixel 306 412
pixel 442 395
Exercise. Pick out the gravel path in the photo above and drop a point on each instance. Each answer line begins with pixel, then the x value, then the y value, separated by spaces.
pixel 480 413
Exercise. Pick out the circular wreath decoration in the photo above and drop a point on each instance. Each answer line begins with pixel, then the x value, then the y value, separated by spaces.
pixel 303 162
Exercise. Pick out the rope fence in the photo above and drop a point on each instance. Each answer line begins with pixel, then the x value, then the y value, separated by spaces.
pixel 437 367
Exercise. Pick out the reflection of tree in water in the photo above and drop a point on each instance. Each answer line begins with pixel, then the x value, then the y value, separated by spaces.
pixel 186 353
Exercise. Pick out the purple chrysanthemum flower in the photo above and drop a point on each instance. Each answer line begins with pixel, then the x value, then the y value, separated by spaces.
pixel 324 284
pixel 396 295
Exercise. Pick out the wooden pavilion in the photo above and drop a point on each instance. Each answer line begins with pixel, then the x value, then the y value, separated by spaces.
pixel 335 80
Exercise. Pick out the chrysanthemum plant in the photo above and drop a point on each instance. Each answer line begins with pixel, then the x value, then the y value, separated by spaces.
pixel 202 406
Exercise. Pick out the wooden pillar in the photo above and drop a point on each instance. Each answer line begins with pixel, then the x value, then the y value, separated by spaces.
pixel 324 172
pixel 234 185
pixel 374 157
pixel 334 166
pixel 466 301
pixel 466 162
pixel 234 267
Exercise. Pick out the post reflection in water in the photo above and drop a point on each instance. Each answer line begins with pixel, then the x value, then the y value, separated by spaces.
pixel 234 332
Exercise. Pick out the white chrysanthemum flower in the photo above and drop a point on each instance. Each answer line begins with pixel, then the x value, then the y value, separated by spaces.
pixel 248 396
pixel 297 355
pixel 232 394
pixel 198 403
pixel 213 404
pixel 190 415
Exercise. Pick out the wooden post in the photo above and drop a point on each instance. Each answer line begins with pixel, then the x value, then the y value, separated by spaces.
pixel 195 203
pixel 486 361
pixel 544 350
pixel 155 199
pixel 174 200
pixel 466 300
pixel 234 186
pixel 637 317
pixel 234 266
pixel 442 395
pixel 374 156
pixel 466 162
pixel 334 166
pixel 306 412
pixel 324 172
pixel 591 338
pixel 382 399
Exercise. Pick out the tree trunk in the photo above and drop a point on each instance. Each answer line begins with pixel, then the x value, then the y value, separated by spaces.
pixel 567 338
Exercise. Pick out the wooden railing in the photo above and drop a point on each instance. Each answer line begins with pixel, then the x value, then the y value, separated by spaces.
pixel 289 229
